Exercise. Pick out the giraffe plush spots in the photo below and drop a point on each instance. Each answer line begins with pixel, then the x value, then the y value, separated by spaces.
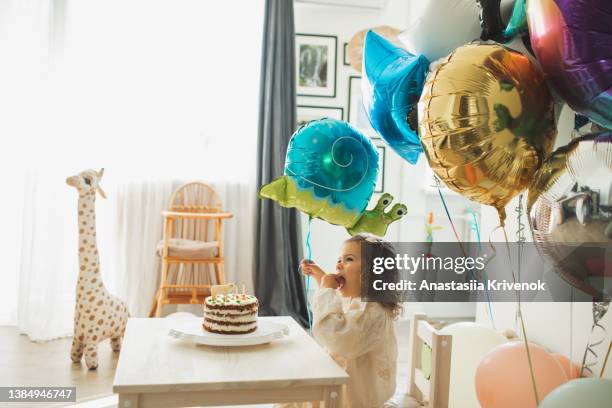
pixel 98 315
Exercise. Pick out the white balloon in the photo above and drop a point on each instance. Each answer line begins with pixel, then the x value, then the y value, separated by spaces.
pixel 471 342
pixel 440 26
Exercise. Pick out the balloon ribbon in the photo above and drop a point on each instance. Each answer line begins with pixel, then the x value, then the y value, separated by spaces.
pixel 309 257
pixel 520 239
pixel 599 311
pixel 603 367
pixel 519 313
pixel 449 217
pixel 474 226
pixel 450 220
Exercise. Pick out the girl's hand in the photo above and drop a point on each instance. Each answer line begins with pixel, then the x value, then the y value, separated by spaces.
pixel 312 269
pixel 330 281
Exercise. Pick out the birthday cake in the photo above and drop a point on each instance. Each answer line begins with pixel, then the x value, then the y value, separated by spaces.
pixel 230 313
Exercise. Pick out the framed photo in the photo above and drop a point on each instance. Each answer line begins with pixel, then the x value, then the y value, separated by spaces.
pixel 380 182
pixel 345 57
pixel 307 113
pixel 356 112
pixel 316 65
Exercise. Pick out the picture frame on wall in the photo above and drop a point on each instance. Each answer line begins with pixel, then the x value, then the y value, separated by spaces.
pixel 380 181
pixel 306 113
pixel 356 112
pixel 316 65
pixel 345 57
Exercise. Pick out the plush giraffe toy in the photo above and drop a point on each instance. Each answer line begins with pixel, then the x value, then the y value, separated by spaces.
pixel 98 315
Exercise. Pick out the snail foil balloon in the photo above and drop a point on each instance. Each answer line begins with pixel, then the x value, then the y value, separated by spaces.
pixel 393 83
pixel 330 173
pixel 572 40
pixel 571 213
pixel 486 123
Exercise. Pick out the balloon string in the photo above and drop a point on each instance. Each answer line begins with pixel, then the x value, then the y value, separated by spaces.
pixel 590 350
pixel 450 220
pixel 520 237
pixel 522 322
pixel 475 227
pixel 599 310
pixel 491 245
pixel 520 233
pixel 603 367
pixel 494 250
pixel 309 257
pixel 571 336
pixel 308 246
pixel 449 217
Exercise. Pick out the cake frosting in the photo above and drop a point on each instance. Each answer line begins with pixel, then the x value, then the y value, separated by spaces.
pixel 230 313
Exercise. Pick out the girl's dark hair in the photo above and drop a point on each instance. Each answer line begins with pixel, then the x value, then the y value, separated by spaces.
pixel 374 247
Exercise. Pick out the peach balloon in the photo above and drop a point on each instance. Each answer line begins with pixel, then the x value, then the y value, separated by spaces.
pixel 573 372
pixel 503 379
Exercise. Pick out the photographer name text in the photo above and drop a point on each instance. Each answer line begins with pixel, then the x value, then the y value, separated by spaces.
pixel 472 285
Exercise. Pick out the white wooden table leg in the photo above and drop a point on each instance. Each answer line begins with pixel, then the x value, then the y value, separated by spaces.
pixel 128 401
pixel 333 397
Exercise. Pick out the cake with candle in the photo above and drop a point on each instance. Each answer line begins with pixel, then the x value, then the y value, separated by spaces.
pixel 233 313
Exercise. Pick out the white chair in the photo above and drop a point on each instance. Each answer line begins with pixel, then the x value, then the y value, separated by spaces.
pixel 433 389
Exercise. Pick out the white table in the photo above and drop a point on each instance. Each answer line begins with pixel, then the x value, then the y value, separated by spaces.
pixel 156 370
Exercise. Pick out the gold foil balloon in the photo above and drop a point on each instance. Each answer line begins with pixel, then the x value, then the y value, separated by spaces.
pixel 570 207
pixel 486 123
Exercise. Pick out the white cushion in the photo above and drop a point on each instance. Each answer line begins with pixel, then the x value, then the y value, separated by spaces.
pixel 181 315
pixel 189 249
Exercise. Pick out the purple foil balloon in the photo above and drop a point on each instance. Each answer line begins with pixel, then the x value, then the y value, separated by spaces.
pixel 572 40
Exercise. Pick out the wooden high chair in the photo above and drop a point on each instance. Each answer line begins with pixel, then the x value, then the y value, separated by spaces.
pixel 435 388
pixel 191 244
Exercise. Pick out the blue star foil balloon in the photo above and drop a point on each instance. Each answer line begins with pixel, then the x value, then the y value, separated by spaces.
pixel 330 173
pixel 394 79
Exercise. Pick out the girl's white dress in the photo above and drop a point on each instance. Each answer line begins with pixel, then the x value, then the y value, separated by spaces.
pixel 360 337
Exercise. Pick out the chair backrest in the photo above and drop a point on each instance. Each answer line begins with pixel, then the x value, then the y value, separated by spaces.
pixel 434 388
pixel 195 197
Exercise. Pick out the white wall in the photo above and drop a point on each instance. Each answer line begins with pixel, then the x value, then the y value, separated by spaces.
pixel 407 183
pixel 561 327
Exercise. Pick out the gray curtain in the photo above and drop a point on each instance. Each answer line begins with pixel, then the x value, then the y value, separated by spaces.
pixel 278 247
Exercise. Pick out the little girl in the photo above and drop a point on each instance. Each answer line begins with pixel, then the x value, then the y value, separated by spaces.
pixel 360 336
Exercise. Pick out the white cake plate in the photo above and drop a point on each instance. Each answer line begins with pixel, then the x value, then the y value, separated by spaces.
pixel 192 331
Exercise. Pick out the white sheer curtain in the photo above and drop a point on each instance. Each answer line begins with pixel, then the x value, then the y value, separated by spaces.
pixel 138 228
pixel 156 91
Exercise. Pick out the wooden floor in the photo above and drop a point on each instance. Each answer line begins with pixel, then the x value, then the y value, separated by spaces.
pixel 26 363
pixel 48 364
